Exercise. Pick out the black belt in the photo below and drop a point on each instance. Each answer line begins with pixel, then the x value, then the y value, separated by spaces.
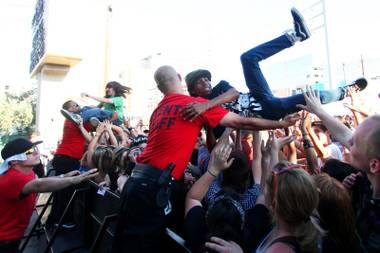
pixel 145 171
pixel 9 243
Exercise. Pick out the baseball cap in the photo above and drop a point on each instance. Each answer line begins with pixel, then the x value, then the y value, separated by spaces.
pixel 17 146
pixel 193 76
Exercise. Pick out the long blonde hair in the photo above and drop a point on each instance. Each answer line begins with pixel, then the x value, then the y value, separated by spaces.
pixel 294 197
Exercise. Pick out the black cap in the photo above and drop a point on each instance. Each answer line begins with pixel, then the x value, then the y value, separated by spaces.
pixel 17 146
pixel 193 77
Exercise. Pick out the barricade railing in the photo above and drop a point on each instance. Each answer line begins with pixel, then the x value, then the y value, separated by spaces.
pixel 99 208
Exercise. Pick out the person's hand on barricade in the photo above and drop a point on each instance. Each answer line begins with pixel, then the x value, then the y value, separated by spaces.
pixel 313 101
pixel 76 177
pixel 194 109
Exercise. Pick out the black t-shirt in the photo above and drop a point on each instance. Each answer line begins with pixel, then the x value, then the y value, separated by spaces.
pixel 258 223
pixel 245 104
pixel 195 229
pixel 220 88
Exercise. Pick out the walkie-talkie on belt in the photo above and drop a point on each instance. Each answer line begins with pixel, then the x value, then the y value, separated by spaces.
pixel 164 181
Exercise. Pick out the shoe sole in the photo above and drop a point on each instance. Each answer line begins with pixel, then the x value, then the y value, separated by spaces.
pixel 68 116
pixel 94 122
pixel 300 22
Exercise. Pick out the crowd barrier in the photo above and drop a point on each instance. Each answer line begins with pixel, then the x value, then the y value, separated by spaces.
pixel 95 212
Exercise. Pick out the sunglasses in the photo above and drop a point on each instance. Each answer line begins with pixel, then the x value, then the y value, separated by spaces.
pixel 31 151
pixel 280 170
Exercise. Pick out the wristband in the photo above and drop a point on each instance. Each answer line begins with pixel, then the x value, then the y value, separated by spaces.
pixel 307 144
pixel 212 174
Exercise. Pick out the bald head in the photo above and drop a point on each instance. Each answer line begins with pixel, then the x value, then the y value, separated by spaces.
pixel 373 138
pixel 167 79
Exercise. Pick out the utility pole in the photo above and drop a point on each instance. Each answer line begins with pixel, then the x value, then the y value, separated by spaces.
pixel 106 46
pixel 344 72
pixel 327 43
pixel 321 4
pixel 362 63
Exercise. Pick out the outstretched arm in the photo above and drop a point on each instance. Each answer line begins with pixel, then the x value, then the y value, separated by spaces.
pixel 99 99
pixel 336 128
pixel 193 110
pixel 233 120
pixel 50 184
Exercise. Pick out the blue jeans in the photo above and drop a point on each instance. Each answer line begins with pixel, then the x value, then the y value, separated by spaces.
pixel 88 112
pixel 274 107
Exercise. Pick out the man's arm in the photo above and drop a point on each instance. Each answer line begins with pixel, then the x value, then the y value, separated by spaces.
pixel 337 129
pixel 50 184
pixel 195 109
pixel 233 120
pixel 99 99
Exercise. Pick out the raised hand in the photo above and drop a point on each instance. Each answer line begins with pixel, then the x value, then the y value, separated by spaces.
pixel 305 122
pixel 278 143
pixel 290 120
pixel 219 158
pixel 313 101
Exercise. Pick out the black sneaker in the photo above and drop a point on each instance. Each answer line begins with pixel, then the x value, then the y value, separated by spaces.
pixel 73 117
pixel 300 27
pixel 360 83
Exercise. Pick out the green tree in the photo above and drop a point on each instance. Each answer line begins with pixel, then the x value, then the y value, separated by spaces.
pixel 17 113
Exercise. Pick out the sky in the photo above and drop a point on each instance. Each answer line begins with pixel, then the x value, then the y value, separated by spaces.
pixel 209 34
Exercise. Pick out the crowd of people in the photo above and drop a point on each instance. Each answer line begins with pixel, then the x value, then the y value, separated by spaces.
pixel 227 171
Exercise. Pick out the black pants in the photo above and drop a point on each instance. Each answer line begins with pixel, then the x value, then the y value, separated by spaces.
pixel 63 164
pixel 9 246
pixel 141 222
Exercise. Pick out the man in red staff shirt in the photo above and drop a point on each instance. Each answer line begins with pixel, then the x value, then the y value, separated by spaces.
pixel 141 223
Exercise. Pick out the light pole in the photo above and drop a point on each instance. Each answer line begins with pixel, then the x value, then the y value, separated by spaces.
pixel 106 44
pixel 322 13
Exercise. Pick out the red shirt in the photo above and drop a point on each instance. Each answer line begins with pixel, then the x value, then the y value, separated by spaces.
pixel 15 213
pixel 172 139
pixel 247 149
pixel 73 140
